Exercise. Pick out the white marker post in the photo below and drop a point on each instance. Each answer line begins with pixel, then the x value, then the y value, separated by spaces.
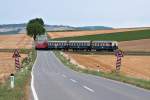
pixel 98 69
pixel 12 81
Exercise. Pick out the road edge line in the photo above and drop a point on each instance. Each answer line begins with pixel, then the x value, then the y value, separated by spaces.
pixel 32 82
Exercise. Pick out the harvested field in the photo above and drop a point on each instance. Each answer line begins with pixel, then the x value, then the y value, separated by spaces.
pixel 15 41
pixel 133 66
pixel 82 33
pixel 7 65
pixel 135 45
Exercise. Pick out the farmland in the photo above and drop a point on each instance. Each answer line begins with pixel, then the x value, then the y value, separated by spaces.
pixel 118 36
pixel 15 41
pixel 134 41
pixel 133 66
pixel 135 45
pixel 7 65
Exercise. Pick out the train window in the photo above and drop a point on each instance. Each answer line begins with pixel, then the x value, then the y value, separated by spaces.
pixel 104 44
pixel 110 44
pixel 100 44
pixel 96 44
pixel 107 44
pixel 82 44
pixel 86 44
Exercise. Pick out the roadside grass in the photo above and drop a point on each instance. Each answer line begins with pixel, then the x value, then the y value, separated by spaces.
pixel 118 36
pixel 113 75
pixel 21 80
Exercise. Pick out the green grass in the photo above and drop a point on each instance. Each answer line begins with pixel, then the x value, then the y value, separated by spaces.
pixel 21 78
pixel 119 36
pixel 113 75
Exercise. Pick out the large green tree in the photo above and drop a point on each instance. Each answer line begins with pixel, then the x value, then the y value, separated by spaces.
pixel 39 20
pixel 35 27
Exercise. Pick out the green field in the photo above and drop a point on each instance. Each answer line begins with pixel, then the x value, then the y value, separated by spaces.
pixel 120 36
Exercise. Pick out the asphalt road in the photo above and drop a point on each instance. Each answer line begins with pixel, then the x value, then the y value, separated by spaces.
pixel 54 81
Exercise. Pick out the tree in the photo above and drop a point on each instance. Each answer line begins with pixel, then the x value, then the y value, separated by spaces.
pixel 39 20
pixel 35 27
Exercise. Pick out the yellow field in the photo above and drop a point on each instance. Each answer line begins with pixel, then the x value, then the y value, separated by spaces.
pixel 7 65
pixel 15 41
pixel 133 66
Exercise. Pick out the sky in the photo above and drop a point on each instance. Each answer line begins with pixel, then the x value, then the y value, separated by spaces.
pixel 113 13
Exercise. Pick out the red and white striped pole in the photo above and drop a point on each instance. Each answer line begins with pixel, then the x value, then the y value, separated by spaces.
pixel 119 55
pixel 16 55
pixel 17 63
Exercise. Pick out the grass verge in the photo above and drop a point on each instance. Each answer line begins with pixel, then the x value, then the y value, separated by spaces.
pixel 114 76
pixel 21 80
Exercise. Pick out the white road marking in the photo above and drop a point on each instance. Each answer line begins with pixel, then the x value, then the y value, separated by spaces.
pixel 73 80
pixel 32 83
pixel 64 76
pixel 89 89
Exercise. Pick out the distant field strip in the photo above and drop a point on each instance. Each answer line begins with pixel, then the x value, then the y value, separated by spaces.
pixel 118 36
pixel 10 32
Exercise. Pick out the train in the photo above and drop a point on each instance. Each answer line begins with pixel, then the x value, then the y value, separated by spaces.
pixel 76 45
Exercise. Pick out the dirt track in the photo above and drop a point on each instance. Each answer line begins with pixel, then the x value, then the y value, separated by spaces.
pixel 82 33
pixel 15 41
pixel 133 66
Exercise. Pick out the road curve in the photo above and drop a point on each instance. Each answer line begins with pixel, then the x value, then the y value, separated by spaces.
pixel 53 81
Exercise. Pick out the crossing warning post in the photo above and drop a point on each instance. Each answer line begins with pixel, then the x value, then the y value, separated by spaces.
pixel 119 55
pixel 16 55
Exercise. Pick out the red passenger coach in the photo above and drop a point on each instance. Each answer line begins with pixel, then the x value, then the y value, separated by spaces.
pixel 41 42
